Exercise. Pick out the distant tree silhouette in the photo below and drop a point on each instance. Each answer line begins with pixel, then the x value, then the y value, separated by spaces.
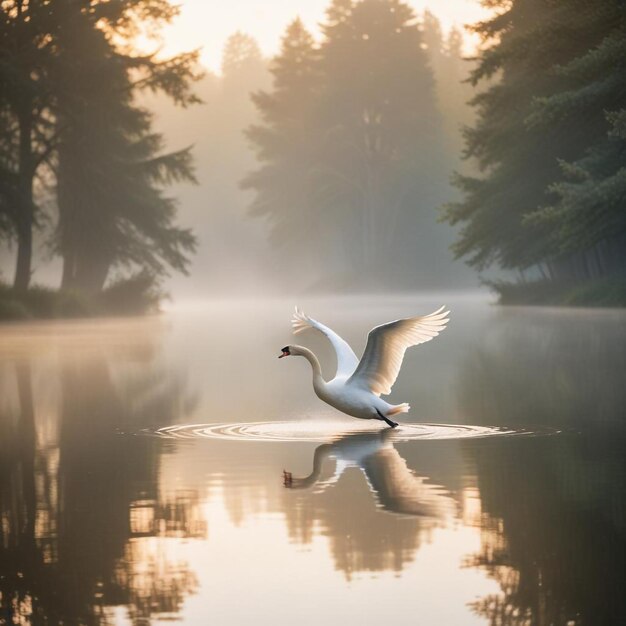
pixel 287 144
pixel 240 51
pixel 352 144
pixel 451 71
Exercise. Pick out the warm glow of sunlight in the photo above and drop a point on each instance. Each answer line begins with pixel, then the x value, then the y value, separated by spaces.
pixel 207 25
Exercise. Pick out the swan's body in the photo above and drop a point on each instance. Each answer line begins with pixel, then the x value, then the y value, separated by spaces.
pixel 358 385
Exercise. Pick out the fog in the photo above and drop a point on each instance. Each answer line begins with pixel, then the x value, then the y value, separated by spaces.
pixel 237 254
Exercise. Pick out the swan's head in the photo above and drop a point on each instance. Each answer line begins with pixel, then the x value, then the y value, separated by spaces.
pixel 291 351
pixel 286 351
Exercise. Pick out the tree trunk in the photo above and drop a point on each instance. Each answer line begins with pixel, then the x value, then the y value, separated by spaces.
pixel 24 253
pixel 66 276
pixel 91 271
pixel 26 214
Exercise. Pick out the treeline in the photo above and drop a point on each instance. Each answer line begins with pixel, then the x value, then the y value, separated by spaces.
pixel 549 141
pixel 353 147
pixel 80 163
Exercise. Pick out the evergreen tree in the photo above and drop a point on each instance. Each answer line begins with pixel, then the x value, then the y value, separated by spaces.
pixel 286 143
pixel 26 137
pixel 112 211
pixel 519 160
pixel 67 82
pixel 244 70
pixel 586 220
pixel 241 56
pixel 451 71
pixel 383 166
pixel 351 144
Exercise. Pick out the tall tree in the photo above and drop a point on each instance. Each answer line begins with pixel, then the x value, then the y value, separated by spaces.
pixel 352 144
pixel 527 40
pixel 112 210
pixel 241 55
pixel 286 143
pixel 383 163
pixel 244 70
pixel 586 219
pixel 26 136
pixel 68 76
pixel 451 70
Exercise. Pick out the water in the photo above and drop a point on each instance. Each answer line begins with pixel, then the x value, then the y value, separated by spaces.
pixel 174 469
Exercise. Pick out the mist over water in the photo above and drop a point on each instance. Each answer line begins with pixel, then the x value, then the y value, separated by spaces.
pixel 104 522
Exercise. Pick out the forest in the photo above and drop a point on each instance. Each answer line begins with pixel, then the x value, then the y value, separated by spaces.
pixel 366 158
pixel 549 146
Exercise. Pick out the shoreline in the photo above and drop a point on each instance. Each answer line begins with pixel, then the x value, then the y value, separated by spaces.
pixel 604 293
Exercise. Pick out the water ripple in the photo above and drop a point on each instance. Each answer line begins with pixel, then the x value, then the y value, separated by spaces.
pixel 324 431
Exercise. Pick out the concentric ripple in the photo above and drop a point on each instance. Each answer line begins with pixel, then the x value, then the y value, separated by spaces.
pixel 324 431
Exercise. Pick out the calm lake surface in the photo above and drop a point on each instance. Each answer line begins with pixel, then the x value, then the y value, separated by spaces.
pixel 109 515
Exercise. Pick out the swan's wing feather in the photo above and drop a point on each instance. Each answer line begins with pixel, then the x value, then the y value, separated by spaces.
pixel 386 344
pixel 346 359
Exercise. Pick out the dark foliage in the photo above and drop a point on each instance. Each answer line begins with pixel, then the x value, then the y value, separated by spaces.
pixel 549 141
pixel 74 137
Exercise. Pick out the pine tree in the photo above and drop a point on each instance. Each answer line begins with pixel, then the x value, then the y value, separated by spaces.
pixel 352 144
pixel 384 163
pixel 111 171
pixel 67 81
pixel 287 143
pixel 518 160
pixel 26 136
pixel 243 70
pixel 451 71
pixel 586 220
pixel 241 55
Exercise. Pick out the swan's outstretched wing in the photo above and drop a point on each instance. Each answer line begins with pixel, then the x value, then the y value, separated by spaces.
pixel 386 345
pixel 346 359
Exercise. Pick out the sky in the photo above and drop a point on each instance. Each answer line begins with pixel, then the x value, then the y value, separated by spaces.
pixel 207 24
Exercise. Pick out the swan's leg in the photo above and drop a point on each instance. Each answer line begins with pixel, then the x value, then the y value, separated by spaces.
pixel 386 419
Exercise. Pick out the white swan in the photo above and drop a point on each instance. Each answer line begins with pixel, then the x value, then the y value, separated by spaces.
pixel 357 385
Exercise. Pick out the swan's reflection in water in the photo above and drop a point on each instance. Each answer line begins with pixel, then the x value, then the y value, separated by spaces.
pixel 396 487
pixel 348 511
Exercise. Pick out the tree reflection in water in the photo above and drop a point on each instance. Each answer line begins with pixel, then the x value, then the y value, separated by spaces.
pixel 361 539
pixel 554 519
pixel 83 525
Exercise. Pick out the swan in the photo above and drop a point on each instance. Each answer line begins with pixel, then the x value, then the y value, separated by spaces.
pixel 358 385
pixel 395 486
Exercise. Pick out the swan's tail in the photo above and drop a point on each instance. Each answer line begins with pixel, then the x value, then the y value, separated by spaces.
pixel 300 321
pixel 405 407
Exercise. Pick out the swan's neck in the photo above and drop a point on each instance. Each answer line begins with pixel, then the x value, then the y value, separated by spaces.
pixel 318 382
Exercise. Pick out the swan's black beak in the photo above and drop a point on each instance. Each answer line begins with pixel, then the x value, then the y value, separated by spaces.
pixel 285 352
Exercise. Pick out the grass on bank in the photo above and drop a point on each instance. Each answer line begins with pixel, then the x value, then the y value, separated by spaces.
pixel 136 295
pixel 608 292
